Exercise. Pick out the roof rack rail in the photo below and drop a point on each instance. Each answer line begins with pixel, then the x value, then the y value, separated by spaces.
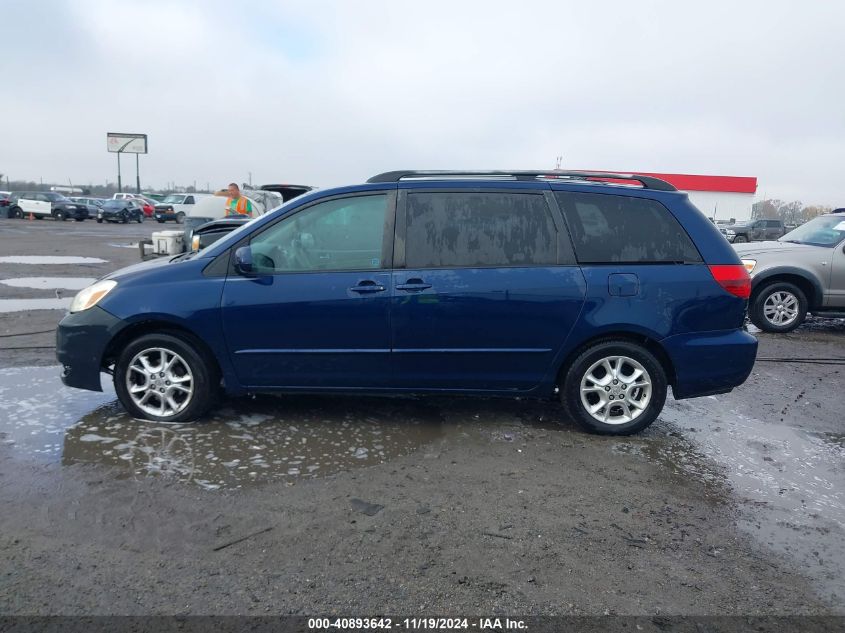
pixel 648 182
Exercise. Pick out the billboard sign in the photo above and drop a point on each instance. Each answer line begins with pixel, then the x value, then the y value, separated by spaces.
pixel 126 143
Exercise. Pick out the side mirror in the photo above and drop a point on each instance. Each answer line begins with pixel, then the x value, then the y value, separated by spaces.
pixel 243 262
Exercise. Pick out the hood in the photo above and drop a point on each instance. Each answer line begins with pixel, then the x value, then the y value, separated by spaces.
pixel 139 267
pixel 755 248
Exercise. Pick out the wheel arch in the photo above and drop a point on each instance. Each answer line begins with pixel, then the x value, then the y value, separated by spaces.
pixel 806 281
pixel 157 326
pixel 649 343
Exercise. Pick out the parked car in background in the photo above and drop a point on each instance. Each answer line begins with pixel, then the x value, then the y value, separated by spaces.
pixel 128 210
pixel 93 204
pixel 46 204
pixel 154 197
pixel 176 206
pixel 519 284
pixel 147 207
pixel 755 231
pixel 803 271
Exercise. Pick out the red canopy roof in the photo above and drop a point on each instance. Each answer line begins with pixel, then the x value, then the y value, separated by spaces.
pixel 692 182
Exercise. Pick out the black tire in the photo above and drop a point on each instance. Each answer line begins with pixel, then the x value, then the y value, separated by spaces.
pixel 124 218
pixel 16 212
pixel 570 393
pixel 79 219
pixel 202 369
pixel 757 309
pixel 140 218
pixel 180 218
pixel 60 215
pixel 740 239
pixel 99 220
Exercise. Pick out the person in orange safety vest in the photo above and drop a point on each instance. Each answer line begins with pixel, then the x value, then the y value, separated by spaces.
pixel 236 204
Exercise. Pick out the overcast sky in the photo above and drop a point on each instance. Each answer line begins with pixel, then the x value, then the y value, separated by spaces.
pixel 328 93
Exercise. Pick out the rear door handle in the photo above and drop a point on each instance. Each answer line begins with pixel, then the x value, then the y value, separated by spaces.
pixel 413 285
pixel 367 287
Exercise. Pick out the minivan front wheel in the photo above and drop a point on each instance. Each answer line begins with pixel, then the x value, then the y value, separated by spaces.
pixel 614 388
pixel 164 378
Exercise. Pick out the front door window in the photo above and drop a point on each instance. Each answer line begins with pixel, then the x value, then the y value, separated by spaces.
pixel 337 235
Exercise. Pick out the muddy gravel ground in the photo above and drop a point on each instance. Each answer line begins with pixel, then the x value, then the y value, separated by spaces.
pixel 313 505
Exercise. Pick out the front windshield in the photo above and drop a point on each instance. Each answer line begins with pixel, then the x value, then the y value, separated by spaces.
pixel 825 230
pixel 173 199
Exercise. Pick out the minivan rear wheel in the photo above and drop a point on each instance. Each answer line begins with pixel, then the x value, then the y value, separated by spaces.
pixel 614 387
pixel 164 378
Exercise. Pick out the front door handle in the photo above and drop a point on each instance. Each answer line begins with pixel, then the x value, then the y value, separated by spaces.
pixel 367 287
pixel 413 285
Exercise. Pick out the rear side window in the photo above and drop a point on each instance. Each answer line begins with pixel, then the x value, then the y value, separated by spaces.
pixel 624 229
pixel 469 229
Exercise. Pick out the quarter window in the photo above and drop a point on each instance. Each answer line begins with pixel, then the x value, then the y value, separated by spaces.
pixel 461 229
pixel 341 234
pixel 624 229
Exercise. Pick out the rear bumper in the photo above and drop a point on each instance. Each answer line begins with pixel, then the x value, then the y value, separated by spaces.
pixel 708 363
pixel 81 342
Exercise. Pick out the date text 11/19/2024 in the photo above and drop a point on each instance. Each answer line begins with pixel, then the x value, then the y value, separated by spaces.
pixel 415 624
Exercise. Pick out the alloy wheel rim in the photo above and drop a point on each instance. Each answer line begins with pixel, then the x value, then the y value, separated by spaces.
pixel 781 308
pixel 160 382
pixel 616 390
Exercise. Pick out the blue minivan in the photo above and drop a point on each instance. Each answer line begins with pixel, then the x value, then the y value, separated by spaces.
pixel 598 289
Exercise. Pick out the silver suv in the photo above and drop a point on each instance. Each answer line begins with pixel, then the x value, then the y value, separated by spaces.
pixel 803 271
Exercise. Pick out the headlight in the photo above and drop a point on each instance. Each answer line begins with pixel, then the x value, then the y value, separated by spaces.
pixel 729 232
pixel 749 264
pixel 90 296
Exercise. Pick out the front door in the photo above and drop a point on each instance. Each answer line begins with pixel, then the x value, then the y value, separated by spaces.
pixel 836 293
pixel 317 313
pixel 487 295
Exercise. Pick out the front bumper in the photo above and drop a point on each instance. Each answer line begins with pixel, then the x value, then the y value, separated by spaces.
pixel 76 213
pixel 708 363
pixel 164 215
pixel 81 342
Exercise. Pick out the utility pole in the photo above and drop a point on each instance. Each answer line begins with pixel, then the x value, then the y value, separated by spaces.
pixel 137 176
pixel 250 179
pixel 119 181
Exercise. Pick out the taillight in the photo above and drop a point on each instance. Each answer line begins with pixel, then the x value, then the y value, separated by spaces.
pixel 733 278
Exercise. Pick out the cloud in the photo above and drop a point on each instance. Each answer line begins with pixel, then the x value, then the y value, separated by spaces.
pixel 331 92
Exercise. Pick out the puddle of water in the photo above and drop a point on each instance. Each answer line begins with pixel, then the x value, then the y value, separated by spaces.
pixel 49 259
pixel 251 441
pixel 25 305
pixel 49 283
pixel 793 481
